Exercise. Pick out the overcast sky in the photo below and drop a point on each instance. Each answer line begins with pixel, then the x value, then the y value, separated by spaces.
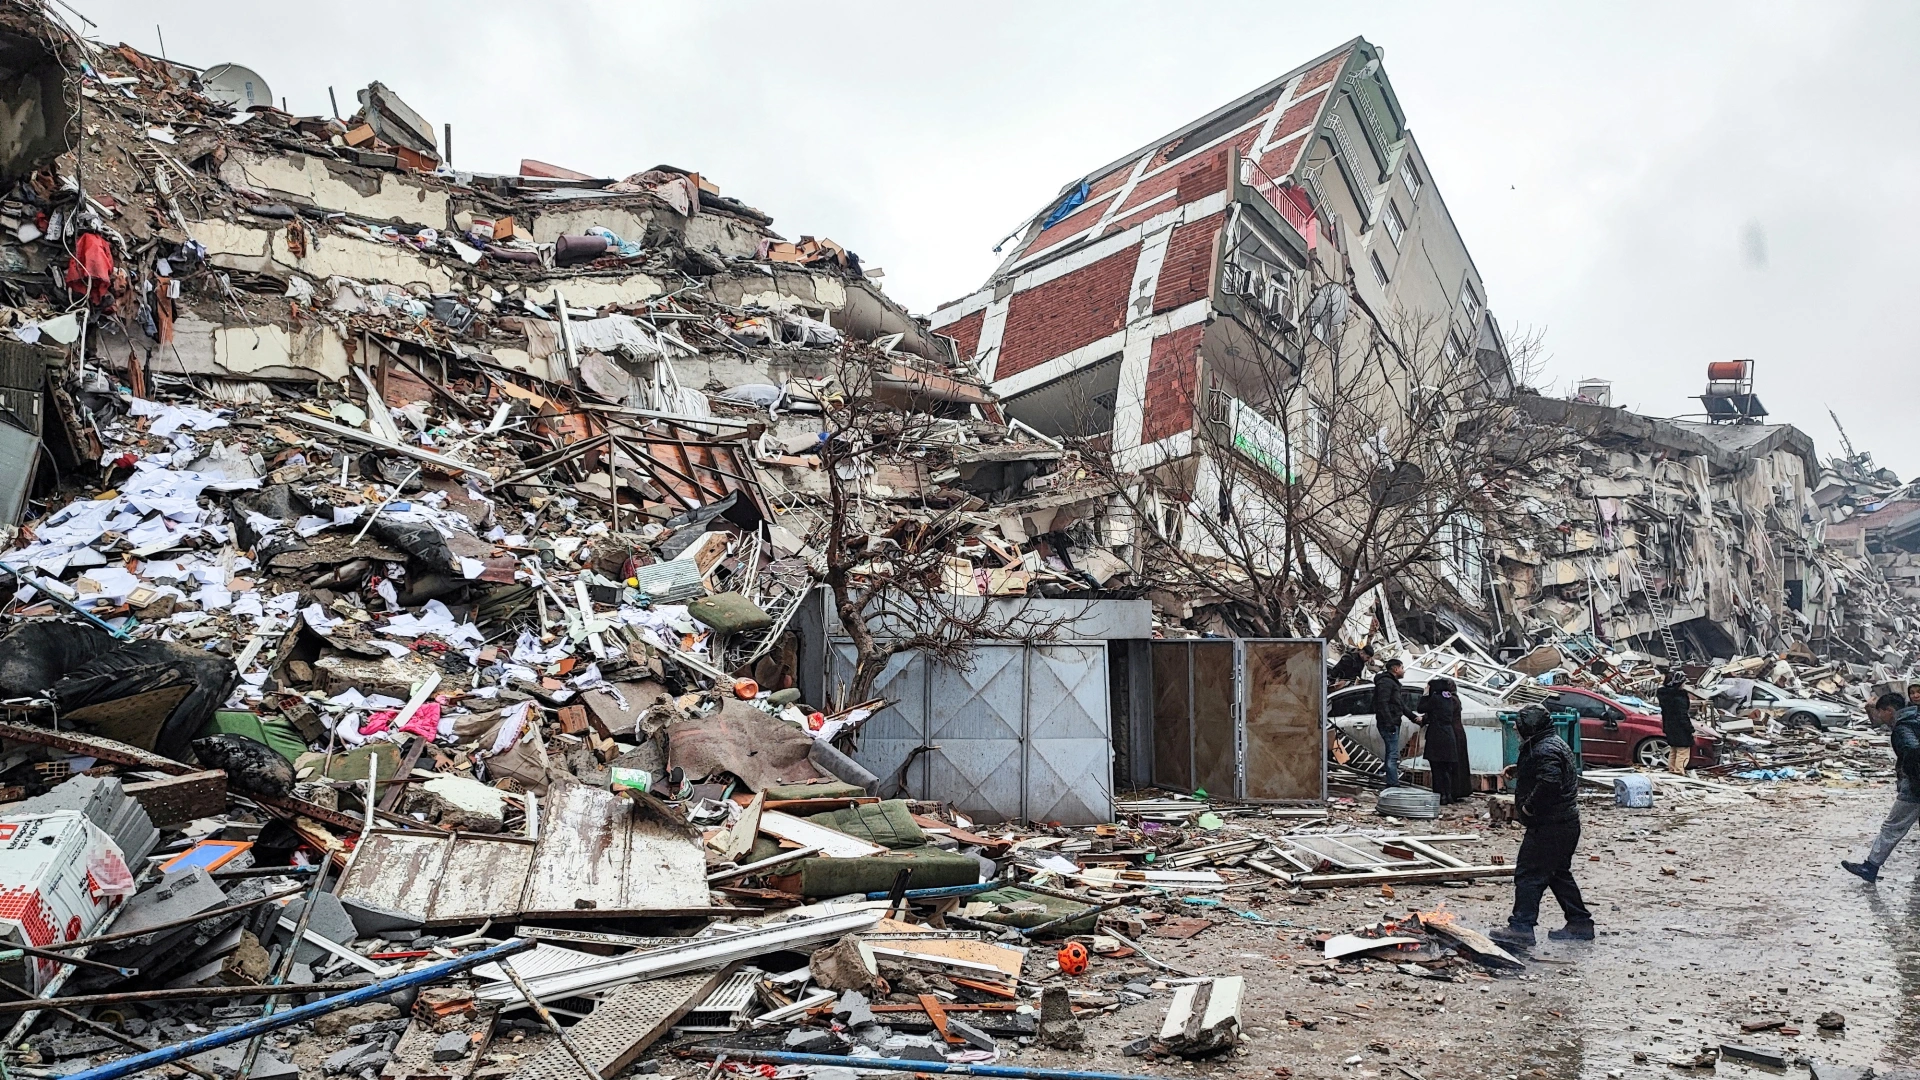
pixel 1652 186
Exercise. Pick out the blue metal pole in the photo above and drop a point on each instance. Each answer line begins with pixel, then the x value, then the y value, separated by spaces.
pixel 19 576
pixel 128 1066
pixel 1016 1072
pixel 943 891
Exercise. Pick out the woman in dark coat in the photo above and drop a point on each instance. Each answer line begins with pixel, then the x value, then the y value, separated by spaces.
pixel 1446 740
pixel 1676 721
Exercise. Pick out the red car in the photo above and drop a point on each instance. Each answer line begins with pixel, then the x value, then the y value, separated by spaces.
pixel 1611 734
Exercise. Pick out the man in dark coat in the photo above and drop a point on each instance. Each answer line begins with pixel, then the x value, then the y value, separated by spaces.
pixel 1905 718
pixel 1546 788
pixel 1350 667
pixel 1389 708
pixel 1676 721
pixel 1446 740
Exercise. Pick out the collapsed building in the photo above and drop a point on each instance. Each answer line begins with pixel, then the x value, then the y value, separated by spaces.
pixel 1196 294
pixel 362 424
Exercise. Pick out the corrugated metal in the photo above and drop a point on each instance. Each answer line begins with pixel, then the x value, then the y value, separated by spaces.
pixel 1022 733
pixel 542 959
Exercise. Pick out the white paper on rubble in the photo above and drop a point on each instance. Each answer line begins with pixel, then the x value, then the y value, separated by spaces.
pixel 436 620
pixel 168 419
pixel 317 618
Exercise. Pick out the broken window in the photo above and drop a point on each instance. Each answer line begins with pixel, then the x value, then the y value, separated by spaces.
pixel 1077 404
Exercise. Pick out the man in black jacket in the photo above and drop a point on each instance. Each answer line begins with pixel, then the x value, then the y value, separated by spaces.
pixel 1389 708
pixel 1676 721
pixel 1546 787
pixel 1350 667
pixel 1905 718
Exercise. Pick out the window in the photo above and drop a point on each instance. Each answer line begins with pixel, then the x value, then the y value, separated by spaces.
pixel 1395 226
pixel 1451 350
pixel 1379 269
pixel 1469 302
pixel 1410 176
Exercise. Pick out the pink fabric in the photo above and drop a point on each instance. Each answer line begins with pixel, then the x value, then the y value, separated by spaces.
pixel 425 721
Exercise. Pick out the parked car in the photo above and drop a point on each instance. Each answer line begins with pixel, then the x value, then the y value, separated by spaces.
pixel 1797 711
pixel 1351 711
pixel 1615 734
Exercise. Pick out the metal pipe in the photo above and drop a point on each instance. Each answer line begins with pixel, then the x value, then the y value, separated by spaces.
pixel 1075 917
pixel 941 892
pixel 1019 1072
pixel 573 1048
pixel 101 1029
pixel 263 871
pixel 139 1063
pixel 184 993
pixel 767 863
pixel 47 591
pixel 285 968
pixel 124 935
pixel 18 951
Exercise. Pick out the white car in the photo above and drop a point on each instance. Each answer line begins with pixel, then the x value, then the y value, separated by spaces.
pixel 1796 711
pixel 1351 711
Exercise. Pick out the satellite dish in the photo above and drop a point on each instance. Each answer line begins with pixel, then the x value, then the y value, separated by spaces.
pixel 237 86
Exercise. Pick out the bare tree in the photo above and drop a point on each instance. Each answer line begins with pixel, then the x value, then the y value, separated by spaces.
pixel 888 560
pixel 1342 457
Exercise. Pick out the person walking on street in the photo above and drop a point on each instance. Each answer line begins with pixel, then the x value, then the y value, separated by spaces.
pixel 1446 740
pixel 1389 708
pixel 1676 721
pixel 1905 718
pixel 1546 788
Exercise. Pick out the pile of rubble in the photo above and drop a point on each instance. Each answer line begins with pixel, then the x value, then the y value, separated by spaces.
pixel 187 917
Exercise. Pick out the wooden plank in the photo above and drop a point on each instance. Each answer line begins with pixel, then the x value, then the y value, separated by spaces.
pixel 179 799
pixel 1433 853
pixel 931 1006
pixel 1402 877
pixel 665 868
pixel 991 954
pixel 596 856
pixel 134 719
pixel 1472 939
pixel 832 843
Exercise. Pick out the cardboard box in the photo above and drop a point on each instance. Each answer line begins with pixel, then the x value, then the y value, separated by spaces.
pixel 59 875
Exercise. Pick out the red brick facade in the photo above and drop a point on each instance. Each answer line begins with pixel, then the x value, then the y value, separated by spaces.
pixel 1066 313
pixel 965 334
pixel 1187 273
pixel 1172 374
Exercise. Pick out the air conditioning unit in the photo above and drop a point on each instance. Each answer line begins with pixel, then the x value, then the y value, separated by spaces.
pixel 1283 299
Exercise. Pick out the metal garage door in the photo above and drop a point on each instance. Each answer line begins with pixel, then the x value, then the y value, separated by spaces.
pixel 1022 733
